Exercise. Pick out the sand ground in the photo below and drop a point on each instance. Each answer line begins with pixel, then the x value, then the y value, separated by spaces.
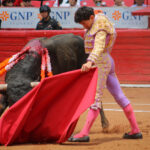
pixel 112 140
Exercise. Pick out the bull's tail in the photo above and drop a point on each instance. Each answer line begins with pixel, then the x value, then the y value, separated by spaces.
pixel 104 120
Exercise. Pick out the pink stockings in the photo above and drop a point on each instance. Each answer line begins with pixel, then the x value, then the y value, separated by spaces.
pixel 128 110
pixel 92 115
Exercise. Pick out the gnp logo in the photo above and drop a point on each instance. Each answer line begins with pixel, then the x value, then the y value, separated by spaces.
pixel 15 15
pixel 125 15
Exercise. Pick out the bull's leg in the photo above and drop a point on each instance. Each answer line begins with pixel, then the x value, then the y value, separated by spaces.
pixel 3 103
pixel 104 120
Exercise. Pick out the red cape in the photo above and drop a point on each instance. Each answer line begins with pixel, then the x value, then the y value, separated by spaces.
pixel 50 111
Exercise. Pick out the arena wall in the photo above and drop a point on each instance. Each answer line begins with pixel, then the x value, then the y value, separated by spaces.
pixel 131 50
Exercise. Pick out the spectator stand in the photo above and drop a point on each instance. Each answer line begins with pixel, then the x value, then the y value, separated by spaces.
pixel 50 3
pixel 109 3
pixel 55 3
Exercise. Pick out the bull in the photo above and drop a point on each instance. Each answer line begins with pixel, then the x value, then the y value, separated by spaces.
pixel 66 53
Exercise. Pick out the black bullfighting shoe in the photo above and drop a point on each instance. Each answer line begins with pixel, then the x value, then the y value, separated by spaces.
pixel 81 139
pixel 133 136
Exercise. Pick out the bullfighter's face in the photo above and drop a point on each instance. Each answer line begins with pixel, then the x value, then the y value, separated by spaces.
pixel 87 24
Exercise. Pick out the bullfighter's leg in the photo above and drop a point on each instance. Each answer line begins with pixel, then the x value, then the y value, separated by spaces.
pixel 114 88
pixel 103 71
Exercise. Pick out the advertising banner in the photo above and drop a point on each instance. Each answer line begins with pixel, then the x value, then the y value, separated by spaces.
pixel 29 17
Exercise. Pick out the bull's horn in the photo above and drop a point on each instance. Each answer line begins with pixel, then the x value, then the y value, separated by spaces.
pixel 3 87
pixel 33 84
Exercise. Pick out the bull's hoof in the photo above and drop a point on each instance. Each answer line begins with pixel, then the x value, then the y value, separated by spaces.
pixel 81 139
pixel 133 136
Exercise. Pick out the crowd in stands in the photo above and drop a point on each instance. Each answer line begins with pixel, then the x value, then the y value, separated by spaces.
pixel 16 3
pixel 66 3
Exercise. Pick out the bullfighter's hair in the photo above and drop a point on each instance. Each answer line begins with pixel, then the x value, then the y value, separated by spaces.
pixel 83 13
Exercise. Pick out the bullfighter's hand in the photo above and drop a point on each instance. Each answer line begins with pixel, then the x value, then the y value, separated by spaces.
pixel 86 67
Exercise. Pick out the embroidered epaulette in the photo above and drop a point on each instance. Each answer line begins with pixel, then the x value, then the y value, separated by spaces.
pixel 101 23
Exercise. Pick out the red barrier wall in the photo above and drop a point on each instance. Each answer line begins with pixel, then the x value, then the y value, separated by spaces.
pixel 131 50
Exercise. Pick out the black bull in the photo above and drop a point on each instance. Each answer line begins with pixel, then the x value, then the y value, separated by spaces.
pixel 66 53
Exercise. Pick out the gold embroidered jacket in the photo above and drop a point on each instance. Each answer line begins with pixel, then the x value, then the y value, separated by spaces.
pixel 100 38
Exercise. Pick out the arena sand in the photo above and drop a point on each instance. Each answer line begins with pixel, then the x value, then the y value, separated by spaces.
pixel 112 138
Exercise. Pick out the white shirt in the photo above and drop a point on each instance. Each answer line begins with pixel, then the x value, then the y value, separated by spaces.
pixel 135 5
pixel 65 3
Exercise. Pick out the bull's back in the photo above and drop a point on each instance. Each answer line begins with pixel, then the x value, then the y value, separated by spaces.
pixel 66 52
